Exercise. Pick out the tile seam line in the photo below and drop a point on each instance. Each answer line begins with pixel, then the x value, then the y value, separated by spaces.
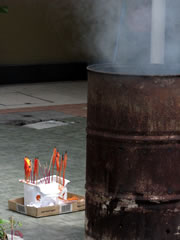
pixel 29 95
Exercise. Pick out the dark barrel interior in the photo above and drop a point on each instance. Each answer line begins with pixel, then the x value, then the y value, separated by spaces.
pixel 133 153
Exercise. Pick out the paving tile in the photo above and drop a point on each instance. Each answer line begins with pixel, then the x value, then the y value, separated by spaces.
pixel 43 94
pixel 17 99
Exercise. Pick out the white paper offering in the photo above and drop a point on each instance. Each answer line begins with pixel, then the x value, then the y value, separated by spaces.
pixel 45 194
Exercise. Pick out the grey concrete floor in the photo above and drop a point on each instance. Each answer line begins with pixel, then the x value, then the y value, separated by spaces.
pixel 43 94
pixel 17 140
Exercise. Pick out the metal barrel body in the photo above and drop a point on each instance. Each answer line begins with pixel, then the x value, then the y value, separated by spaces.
pixel 133 157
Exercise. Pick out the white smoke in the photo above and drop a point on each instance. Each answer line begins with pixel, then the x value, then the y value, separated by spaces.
pixel 118 31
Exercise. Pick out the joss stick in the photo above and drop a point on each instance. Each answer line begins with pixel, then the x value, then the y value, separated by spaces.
pixel 53 158
pixel 37 173
pixel 46 174
pixel 30 170
pixel 36 170
pixel 31 176
pixel 33 173
pixel 42 172
pixel 64 169
pixel 24 169
pixel 57 165
pixel 49 174
pixel 60 169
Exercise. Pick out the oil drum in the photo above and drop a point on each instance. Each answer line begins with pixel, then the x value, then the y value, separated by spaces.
pixel 133 153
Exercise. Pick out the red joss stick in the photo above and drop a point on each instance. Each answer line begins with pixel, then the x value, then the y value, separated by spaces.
pixel 53 161
pixel 64 169
pixel 36 170
pixel 60 169
pixel 57 164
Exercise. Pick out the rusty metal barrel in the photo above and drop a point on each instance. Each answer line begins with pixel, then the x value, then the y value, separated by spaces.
pixel 133 153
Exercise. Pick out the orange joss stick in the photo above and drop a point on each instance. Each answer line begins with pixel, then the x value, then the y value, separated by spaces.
pixel 27 168
pixel 57 164
pixel 53 158
pixel 36 170
pixel 60 169
pixel 64 169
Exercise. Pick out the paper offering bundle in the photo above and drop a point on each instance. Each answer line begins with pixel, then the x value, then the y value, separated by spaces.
pixel 44 194
pixel 41 186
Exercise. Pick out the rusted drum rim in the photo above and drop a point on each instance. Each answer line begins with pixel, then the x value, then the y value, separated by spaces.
pixel 136 70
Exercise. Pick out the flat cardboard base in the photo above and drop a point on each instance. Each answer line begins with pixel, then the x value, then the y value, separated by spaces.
pixel 17 205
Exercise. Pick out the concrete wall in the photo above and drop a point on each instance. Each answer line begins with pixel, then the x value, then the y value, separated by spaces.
pixel 44 31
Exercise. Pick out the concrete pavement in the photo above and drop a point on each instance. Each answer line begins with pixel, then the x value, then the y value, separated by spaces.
pixel 43 94
pixel 30 103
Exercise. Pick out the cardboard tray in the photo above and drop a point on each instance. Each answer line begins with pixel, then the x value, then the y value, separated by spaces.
pixel 17 205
